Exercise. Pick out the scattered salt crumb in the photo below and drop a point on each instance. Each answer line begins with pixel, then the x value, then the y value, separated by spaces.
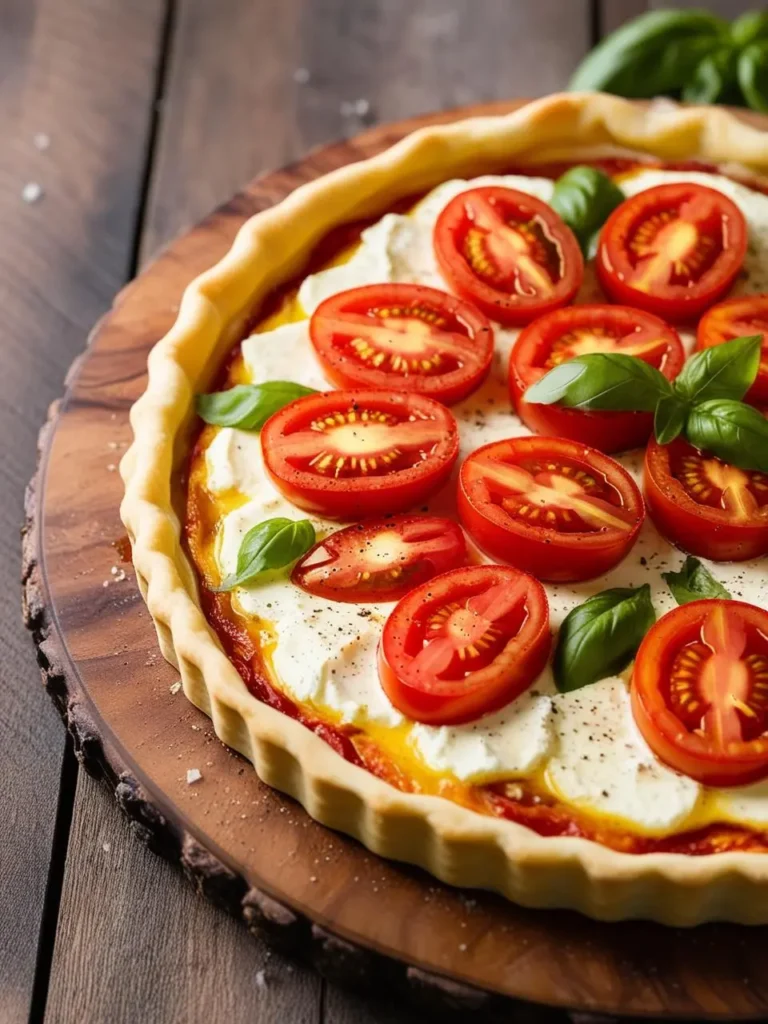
pixel 105 583
pixel 41 141
pixel 210 763
pixel 111 467
pixel 313 878
pixel 301 76
pixel 196 728
pixel 106 847
pixel 113 445
pixel 357 108
pixel 193 775
pixel 463 947
pixel 261 979
pixel 32 192
pixel 175 687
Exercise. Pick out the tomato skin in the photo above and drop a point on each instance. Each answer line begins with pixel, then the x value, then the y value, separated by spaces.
pixel 360 496
pixel 346 370
pixel 510 673
pixel 707 532
pixel 508 306
pixel 607 431
pixel 617 272
pixel 733 318
pixel 546 553
pixel 697 755
pixel 332 569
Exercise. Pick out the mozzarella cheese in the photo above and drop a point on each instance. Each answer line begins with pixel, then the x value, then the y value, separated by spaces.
pixel 323 653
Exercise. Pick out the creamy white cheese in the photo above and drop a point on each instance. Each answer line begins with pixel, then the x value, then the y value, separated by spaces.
pixel 326 652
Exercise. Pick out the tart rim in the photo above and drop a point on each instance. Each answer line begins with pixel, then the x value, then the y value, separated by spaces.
pixel 457 845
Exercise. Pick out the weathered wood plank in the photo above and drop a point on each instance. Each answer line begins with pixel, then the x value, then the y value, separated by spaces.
pixel 135 942
pixel 237 103
pixel 79 73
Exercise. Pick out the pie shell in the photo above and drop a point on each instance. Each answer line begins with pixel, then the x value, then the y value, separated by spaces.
pixel 457 845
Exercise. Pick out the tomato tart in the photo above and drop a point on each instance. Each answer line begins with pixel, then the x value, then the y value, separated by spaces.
pixel 453 515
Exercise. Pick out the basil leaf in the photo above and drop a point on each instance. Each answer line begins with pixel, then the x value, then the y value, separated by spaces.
pixel 694 582
pixel 248 406
pixel 271 544
pixel 753 75
pixel 602 380
pixel 584 197
pixel 748 27
pixel 654 54
pixel 722 371
pixel 714 80
pixel 669 419
pixel 733 431
pixel 601 636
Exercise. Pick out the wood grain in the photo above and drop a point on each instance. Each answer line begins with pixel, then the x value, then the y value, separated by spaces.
pixel 260 119
pixel 260 839
pixel 79 72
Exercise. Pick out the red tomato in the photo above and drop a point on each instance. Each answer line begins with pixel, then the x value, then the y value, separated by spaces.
pixel 464 644
pixel 736 318
pixel 700 691
pixel 578 331
pixel 404 337
pixel 672 250
pixel 350 454
pixel 549 506
pixel 706 506
pixel 381 559
pixel 507 252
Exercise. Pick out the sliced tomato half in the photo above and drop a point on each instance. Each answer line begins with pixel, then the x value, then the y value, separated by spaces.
pixel 736 318
pixel 581 330
pixel 552 507
pixel 352 454
pixel 704 505
pixel 700 691
pixel 381 559
pixel 672 250
pixel 464 644
pixel 405 337
pixel 507 252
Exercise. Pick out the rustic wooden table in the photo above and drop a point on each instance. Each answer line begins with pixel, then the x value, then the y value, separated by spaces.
pixel 123 122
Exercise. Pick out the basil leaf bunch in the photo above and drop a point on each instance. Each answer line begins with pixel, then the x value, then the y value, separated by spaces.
pixel 703 403
pixel 585 197
pixel 271 544
pixel 694 582
pixel 248 406
pixel 600 637
pixel 687 54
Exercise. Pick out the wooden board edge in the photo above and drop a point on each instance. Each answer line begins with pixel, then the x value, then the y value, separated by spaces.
pixel 286 931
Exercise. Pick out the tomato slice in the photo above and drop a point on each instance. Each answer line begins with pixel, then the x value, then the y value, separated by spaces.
pixel 700 691
pixel 464 644
pixel 735 318
pixel 381 559
pixel 704 505
pixel 507 252
pixel 672 250
pixel 580 330
pixel 549 506
pixel 405 337
pixel 350 454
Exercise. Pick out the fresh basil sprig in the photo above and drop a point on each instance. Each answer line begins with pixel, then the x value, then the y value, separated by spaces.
pixel 601 636
pixel 737 433
pixel 585 197
pixel 248 406
pixel 703 403
pixel 694 582
pixel 687 54
pixel 271 544
pixel 608 381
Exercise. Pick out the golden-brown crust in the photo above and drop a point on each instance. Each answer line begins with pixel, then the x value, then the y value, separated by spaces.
pixel 454 843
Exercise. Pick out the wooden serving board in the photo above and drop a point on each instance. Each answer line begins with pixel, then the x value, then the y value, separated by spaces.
pixel 315 893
